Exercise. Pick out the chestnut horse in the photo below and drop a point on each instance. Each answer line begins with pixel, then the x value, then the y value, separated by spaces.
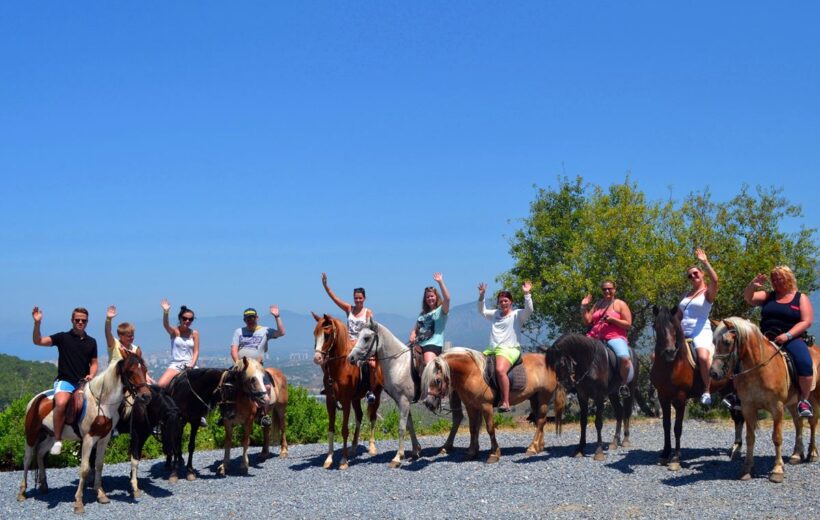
pixel 762 381
pixel 676 381
pixel 342 382
pixel 240 403
pixel 582 363
pixel 102 398
pixel 394 359
pixel 461 371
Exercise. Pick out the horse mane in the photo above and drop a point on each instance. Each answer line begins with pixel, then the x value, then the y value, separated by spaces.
pixel 340 336
pixel 667 318
pixel 572 344
pixel 108 378
pixel 745 329
pixel 477 356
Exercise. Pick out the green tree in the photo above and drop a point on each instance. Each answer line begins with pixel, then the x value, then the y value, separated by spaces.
pixel 577 235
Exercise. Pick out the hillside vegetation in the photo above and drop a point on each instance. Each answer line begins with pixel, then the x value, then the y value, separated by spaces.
pixel 19 377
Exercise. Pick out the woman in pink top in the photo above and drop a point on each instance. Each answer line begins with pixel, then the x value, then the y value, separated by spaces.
pixel 609 319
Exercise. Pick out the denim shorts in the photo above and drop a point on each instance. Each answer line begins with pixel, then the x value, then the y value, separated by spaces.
pixel 619 346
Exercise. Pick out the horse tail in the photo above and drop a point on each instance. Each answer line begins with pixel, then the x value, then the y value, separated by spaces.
pixel 645 408
pixel 559 401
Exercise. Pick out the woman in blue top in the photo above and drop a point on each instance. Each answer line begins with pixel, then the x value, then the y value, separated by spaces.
pixel 786 315
pixel 429 330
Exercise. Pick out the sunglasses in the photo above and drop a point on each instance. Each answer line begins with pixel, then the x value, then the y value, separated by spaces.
pixel 80 320
pixel 127 335
pixel 189 320
pixel 250 318
pixel 607 289
pixel 693 274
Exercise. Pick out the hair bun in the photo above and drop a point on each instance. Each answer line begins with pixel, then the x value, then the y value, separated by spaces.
pixel 183 309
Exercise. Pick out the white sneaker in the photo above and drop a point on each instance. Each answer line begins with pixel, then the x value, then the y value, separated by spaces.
pixel 57 448
pixel 706 399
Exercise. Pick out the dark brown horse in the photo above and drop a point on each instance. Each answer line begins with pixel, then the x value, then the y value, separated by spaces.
pixel 342 382
pixel 195 391
pixel 676 380
pixel 762 382
pixel 102 396
pixel 582 364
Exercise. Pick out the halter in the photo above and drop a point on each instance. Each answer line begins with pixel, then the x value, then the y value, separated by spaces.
pixel 326 353
pixel 733 356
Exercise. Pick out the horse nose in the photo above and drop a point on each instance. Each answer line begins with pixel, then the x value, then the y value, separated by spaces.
pixel 317 358
pixel 145 397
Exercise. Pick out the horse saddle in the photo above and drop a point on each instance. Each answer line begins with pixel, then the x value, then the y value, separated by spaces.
pixel 74 410
pixel 517 375
pixel 691 355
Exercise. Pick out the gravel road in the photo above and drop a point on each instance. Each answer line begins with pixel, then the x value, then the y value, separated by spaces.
pixel 552 484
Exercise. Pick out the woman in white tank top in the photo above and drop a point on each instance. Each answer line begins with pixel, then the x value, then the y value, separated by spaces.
pixel 184 342
pixel 694 311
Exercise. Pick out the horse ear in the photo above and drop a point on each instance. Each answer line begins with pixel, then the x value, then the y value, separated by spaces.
pixel 655 310
pixel 245 362
pixel 316 316
pixel 372 324
pixel 673 310
pixel 714 323
pixel 327 317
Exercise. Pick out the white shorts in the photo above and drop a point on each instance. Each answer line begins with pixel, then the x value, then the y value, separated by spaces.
pixel 704 340
pixel 179 366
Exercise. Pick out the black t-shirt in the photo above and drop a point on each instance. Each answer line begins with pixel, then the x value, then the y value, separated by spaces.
pixel 75 355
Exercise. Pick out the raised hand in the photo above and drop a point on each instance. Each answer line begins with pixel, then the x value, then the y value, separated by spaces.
pixel 587 300
pixel 111 312
pixel 700 254
pixel 482 288
pixel 324 278
pixel 526 287
pixel 438 277
pixel 274 309
pixel 165 304
pixel 759 280
pixel 37 314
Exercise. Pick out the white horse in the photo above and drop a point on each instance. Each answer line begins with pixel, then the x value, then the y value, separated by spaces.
pixel 394 358
pixel 102 396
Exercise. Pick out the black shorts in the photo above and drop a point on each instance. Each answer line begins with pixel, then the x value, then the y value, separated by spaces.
pixel 431 348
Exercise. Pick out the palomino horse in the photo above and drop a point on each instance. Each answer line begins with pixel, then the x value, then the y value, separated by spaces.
pixel 102 397
pixel 676 380
pixel 461 371
pixel 342 382
pixel 395 358
pixel 762 382
pixel 195 391
pixel 240 403
pixel 582 363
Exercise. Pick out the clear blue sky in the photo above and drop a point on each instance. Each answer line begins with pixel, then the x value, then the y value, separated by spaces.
pixel 224 154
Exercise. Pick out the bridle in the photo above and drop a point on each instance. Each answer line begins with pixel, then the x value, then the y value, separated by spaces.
pixel 732 358
pixel 332 335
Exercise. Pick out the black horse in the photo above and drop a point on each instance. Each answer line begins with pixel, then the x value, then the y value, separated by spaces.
pixel 196 392
pixel 141 420
pixel 587 366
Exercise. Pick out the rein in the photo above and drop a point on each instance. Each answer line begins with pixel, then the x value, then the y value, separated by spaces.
pixel 735 357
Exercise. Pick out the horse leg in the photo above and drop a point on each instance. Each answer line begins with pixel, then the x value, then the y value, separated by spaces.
pixel 40 458
pixel 583 404
pixel 137 440
pixel 414 441
pixel 345 432
pixel 797 455
pixel 474 419
pixel 538 403
pixel 404 413
pixel 191 474
pixel 776 475
pixel 101 446
pixel 599 425
pixel 357 415
pixel 27 458
pixel 265 454
pixel 495 451
pixel 680 412
pixel 371 413
pixel 666 410
pixel 628 406
pixel 812 454
pixel 226 449
pixel 282 422
pixel 618 409
pixel 246 441
pixel 737 417
pixel 458 416
pixel 750 418
pixel 85 453
pixel 330 403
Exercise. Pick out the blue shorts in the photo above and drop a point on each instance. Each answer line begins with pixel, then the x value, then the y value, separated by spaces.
pixel 63 386
pixel 619 346
pixel 800 354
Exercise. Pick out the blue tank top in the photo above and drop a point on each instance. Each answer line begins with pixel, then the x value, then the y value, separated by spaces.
pixel 779 317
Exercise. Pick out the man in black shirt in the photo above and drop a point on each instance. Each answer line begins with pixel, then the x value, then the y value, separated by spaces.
pixel 76 361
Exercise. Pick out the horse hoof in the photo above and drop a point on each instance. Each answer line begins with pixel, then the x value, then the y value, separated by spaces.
pixel 21 497
pixel 531 451
pixel 43 490
pixel 327 464
pixel 137 493
pixel 283 454
pixel 579 455
pixel 343 466
pixel 795 459
pixel 777 478
pixel 373 451
pixel 746 476
pixel 102 499
pixel 220 470
pixel 492 459
pixel 394 464
pixel 663 461
pixel 599 456
pixel 813 458
pixel 613 446
pixel 626 443
pixel 191 477
pixel 173 479
pixel 79 509
pixel 674 466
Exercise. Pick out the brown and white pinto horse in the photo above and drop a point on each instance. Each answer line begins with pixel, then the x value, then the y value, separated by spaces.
pixel 676 381
pixel 102 397
pixel 762 382
pixel 242 392
pixel 461 371
pixel 342 384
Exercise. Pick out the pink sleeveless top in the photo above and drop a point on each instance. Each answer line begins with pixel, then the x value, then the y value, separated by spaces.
pixel 603 330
